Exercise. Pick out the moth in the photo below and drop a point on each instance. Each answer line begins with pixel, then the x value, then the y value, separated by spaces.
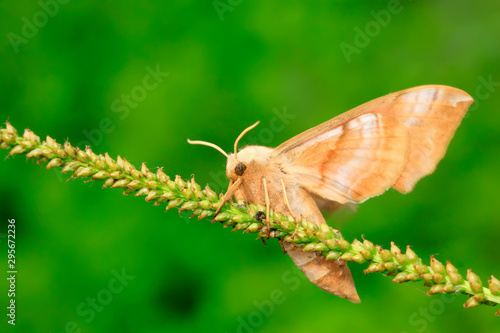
pixel 390 142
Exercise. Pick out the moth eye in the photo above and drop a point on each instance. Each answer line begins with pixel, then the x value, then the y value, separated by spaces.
pixel 240 169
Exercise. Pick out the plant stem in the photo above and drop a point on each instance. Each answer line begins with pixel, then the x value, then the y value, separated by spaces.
pixel 184 195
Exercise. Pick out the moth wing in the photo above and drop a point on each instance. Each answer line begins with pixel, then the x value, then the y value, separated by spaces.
pixel 431 115
pixel 352 162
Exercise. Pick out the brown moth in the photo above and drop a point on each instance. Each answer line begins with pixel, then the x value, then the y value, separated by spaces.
pixel 392 141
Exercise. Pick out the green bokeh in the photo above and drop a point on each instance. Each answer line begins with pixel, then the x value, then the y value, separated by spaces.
pixel 67 81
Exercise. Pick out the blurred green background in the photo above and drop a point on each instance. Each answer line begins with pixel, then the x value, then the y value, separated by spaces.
pixel 68 73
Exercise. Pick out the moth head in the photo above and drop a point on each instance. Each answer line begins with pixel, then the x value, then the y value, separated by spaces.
pixel 247 161
pixel 237 163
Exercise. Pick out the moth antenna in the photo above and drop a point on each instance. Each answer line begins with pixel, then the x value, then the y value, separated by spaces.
pixel 204 143
pixel 241 135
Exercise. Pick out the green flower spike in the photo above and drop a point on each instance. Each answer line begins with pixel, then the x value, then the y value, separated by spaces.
pixel 160 189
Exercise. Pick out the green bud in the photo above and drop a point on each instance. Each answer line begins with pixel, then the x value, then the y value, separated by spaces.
pixel 85 172
pixel 333 255
pixel 438 278
pixel 128 191
pixel 171 184
pixel 100 175
pixel 222 217
pixel 474 301
pixel 122 183
pixel 196 212
pixel 237 218
pixel 427 277
pixel 54 163
pixel 347 256
pixel 100 163
pixel 136 174
pixel 4 145
pixel 188 194
pixel 435 289
pixel 48 153
pixel 205 204
pixel 189 205
pixel 239 226
pixel 389 266
pixel 385 255
pixel 119 162
pixel 152 184
pixel 436 266
pixel 494 285
pixel 331 243
pixel 343 244
pixel 8 138
pixel 161 200
pixel 368 245
pixel 10 129
pixel 61 153
pixel 116 175
pixel 173 203
pixel 162 177
pixel 358 258
pixel 309 247
pixel 109 182
pixel 142 192
pixel 127 166
pixel 135 184
pixel 17 150
pixel 211 195
pixel 68 148
pixel 152 195
pixel 412 277
pixel 449 288
pixel 411 255
pixel 399 278
pixel 366 254
pixel 357 243
pixel 254 227
pixel 110 162
pixel 372 268
pixel 81 155
pixel 455 278
pixel 475 283
pixel 34 153
pixel 179 182
pixel 205 214
pixel 169 195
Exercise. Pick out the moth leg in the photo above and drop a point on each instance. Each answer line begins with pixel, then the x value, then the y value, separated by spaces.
pixel 297 220
pixel 230 192
pixel 268 207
